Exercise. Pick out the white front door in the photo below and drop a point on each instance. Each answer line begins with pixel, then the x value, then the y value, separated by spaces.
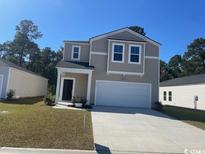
pixel 127 94
pixel 1 85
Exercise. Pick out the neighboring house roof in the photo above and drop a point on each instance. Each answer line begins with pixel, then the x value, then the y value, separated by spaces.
pixel 73 64
pixel 4 63
pixel 128 29
pixel 187 80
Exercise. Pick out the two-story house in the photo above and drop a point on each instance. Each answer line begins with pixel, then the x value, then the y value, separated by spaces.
pixel 118 68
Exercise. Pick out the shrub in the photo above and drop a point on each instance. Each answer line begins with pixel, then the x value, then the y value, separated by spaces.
pixel 81 100
pixel 10 94
pixel 158 106
pixel 49 100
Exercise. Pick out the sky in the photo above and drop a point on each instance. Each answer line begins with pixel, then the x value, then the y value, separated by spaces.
pixel 173 23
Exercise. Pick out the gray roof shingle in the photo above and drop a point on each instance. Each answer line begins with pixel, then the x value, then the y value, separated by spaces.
pixel 187 80
pixel 74 64
pixel 5 63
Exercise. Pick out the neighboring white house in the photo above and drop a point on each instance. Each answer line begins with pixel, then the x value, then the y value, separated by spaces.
pixel 25 83
pixel 188 92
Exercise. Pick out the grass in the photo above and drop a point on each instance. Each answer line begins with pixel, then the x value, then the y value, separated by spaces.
pixel 190 116
pixel 30 123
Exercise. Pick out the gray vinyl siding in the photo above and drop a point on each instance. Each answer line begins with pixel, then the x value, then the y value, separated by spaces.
pixel 4 71
pixel 126 36
pixel 151 68
pixel 125 66
pixel 151 50
pixel 84 52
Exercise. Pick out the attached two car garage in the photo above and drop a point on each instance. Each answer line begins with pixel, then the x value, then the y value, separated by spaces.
pixel 125 94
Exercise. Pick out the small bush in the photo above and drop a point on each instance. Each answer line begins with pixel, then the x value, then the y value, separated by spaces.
pixel 10 94
pixel 158 106
pixel 49 100
pixel 77 99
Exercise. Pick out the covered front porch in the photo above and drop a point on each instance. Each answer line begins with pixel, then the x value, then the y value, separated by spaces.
pixel 72 82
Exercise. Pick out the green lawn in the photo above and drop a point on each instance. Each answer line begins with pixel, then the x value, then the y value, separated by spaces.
pixel 30 123
pixel 190 116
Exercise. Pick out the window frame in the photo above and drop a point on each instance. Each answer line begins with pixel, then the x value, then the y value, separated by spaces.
pixel 113 52
pixel 72 54
pixel 129 55
pixel 170 96
pixel 164 95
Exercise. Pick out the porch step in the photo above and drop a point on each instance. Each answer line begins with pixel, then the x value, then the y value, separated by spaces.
pixel 65 103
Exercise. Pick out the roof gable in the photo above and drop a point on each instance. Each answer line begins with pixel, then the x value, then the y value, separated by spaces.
pixel 123 30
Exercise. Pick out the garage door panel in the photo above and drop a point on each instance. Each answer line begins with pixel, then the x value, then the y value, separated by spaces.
pixel 123 94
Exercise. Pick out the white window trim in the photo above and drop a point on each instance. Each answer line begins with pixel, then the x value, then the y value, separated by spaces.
pixel 164 95
pixel 61 87
pixel 169 96
pixel 75 46
pixel 123 52
pixel 140 53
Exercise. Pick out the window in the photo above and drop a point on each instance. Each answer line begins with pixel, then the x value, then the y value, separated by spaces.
pixel 134 54
pixel 118 53
pixel 170 96
pixel 165 95
pixel 75 53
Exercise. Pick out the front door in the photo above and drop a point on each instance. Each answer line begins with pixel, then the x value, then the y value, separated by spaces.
pixel 67 90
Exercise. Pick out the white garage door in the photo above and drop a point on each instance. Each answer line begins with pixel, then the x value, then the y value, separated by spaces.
pixel 128 94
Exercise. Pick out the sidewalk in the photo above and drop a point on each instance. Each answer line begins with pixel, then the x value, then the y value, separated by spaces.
pixel 8 150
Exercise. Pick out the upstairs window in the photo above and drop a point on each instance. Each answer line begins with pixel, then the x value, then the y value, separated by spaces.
pixel 75 53
pixel 118 53
pixel 170 96
pixel 134 54
pixel 165 96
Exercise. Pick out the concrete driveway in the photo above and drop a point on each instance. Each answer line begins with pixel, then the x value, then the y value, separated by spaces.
pixel 129 130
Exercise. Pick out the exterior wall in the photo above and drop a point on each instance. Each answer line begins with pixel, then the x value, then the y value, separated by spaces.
pixel 183 96
pixel 4 71
pixel 80 83
pixel 84 51
pixel 151 75
pixel 26 84
pixel 151 69
pixel 125 66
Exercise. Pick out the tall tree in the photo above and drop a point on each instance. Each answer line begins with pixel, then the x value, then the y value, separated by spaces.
pixel 23 44
pixel 49 59
pixel 138 29
pixel 194 58
pixel 164 71
pixel 175 66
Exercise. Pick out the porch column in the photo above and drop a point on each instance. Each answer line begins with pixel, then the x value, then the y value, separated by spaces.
pixel 89 86
pixel 58 86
